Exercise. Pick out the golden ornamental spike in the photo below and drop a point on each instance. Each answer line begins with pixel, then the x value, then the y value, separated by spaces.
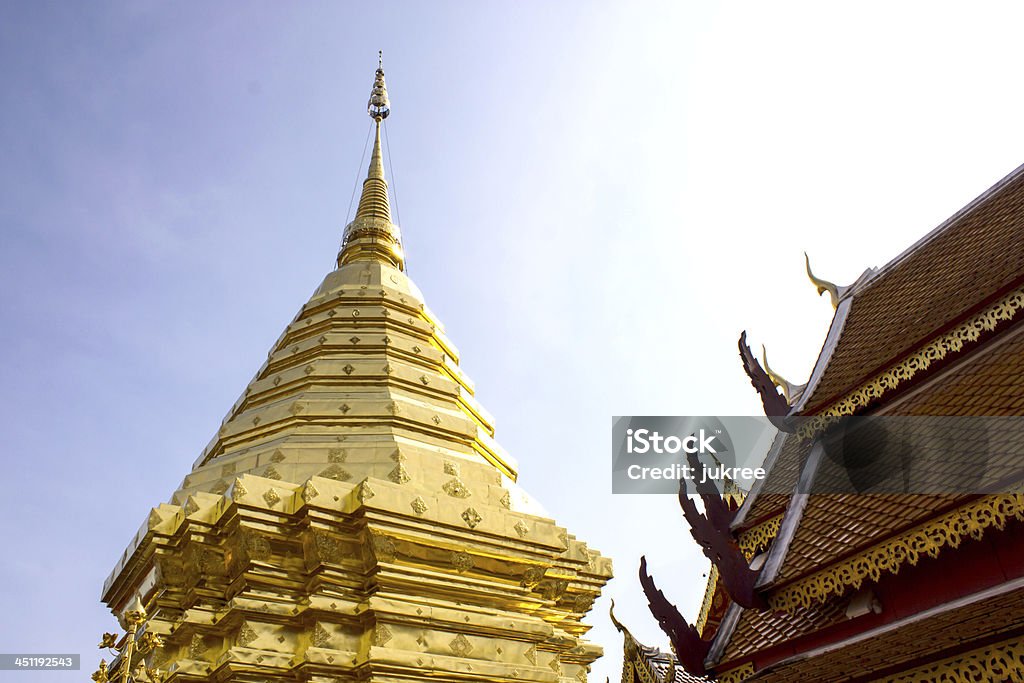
pixel 371 234
pixel 777 379
pixel 378 107
pixel 822 285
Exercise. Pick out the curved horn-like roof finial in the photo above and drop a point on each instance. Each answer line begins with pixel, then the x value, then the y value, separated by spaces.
pixel 822 285
pixel 778 380
pixel 616 622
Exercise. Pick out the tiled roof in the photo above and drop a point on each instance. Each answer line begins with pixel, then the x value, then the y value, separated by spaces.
pixel 967 261
pixel 835 525
pixel 1001 614
pixel 976 256
pixel 760 630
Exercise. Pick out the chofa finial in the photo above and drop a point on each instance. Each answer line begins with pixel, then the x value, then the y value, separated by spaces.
pixel 788 389
pixel 822 285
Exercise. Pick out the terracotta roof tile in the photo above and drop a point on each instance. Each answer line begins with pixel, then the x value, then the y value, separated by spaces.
pixel 984 619
pixel 835 525
pixel 968 260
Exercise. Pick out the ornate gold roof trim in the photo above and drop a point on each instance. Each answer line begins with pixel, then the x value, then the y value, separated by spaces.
pixel 758 537
pixel 709 596
pixel 999 662
pixel 927 539
pixel 635 665
pixel 937 349
pixel 740 673
pixel 751 541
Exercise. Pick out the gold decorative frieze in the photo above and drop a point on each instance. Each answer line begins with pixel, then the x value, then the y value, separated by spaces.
pixel 709 597
pixel 757 538
pixel 740 673
pixel 928 539
pixel 1000 662
pixel 935 350
pixel 751 542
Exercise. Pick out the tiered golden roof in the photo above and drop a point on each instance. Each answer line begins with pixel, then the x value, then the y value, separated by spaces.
pixel 353 518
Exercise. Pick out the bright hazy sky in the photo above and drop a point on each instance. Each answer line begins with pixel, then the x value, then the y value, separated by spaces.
pixel 596 199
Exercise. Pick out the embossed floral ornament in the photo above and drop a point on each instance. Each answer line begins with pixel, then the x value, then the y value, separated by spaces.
pixel 149 641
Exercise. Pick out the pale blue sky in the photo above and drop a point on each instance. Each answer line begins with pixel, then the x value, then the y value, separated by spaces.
pixel 596 199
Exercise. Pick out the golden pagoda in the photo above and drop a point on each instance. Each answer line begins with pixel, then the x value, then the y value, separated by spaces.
pixel 353 518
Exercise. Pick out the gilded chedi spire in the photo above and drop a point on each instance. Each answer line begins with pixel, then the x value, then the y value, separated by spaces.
pixel 371 234
pixel 353 518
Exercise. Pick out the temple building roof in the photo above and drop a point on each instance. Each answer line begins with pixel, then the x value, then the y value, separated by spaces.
pixel 644 664
pixel 845 581
pixel 972 259
pixel 959 283
pixel 954 277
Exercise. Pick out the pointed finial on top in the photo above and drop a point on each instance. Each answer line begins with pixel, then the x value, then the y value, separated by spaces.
pixel 378 107
pixel 371 235
pixel 822 285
